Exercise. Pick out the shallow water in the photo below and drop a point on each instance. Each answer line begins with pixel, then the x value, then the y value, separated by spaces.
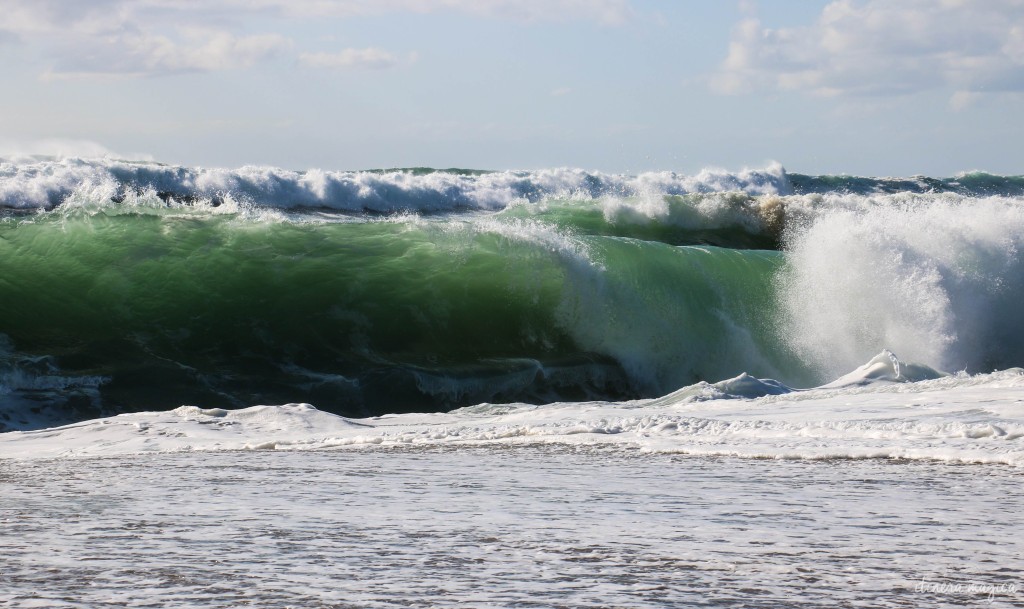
pixel 524 526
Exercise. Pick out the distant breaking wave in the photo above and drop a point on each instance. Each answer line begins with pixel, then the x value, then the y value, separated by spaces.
pixel 45 183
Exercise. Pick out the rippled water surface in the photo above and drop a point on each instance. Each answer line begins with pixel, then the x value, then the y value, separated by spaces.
pixel 527 526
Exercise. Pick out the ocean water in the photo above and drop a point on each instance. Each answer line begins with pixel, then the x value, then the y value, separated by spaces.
pixel 140 286
pixel 427 387
pixel 531 527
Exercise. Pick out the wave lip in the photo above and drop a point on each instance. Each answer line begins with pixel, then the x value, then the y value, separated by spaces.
pixel 878 411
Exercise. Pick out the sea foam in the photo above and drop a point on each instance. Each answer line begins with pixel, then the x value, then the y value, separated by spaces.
pixel 874 412
pixel 47 182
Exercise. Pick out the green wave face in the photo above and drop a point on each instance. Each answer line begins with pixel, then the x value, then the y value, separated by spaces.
pixel 363 317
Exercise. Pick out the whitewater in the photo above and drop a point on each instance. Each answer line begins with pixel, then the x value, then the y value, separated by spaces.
pixel 453 387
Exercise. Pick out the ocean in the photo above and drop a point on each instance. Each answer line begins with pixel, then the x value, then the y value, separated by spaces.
pixel 558 387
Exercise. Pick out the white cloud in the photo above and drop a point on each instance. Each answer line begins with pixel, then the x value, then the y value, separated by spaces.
pixel 610 12
pixel 118 38
pixel 883 47
pixel 371 58
pixel 139 54
pixel 29 18
pixel 39 16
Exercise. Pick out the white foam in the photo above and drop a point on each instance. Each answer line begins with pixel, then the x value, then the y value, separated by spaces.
pixel 974 419
pixel 938 279
pixel 28 183
pixel 885 368
pixel 184 429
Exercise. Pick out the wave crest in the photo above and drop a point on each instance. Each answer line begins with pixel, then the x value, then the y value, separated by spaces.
pixel 44 184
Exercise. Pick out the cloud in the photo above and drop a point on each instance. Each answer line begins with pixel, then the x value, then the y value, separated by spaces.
pixel 883 47
pixel 117 38
pixel 143 54
pixel 609 12
pixel 132 38
pixel 371 58
pixel 30 18
pixel 38 16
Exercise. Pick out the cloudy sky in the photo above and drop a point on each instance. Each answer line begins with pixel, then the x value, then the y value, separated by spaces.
pixel 879 87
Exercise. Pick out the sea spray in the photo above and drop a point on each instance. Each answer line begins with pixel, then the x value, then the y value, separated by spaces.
pixel 936 279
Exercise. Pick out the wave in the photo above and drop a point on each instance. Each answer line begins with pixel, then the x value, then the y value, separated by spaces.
pixel 132 286
pixel 877 412
pixel 367 317
pixel 47 183
pixel 968 184
pixel 751 209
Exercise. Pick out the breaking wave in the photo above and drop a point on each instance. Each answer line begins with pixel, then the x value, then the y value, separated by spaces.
pixel 132 286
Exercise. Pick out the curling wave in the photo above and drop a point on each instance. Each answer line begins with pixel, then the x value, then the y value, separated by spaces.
pixel 129 286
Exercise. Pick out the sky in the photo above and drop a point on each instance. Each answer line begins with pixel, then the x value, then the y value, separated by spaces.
pixel 868 87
